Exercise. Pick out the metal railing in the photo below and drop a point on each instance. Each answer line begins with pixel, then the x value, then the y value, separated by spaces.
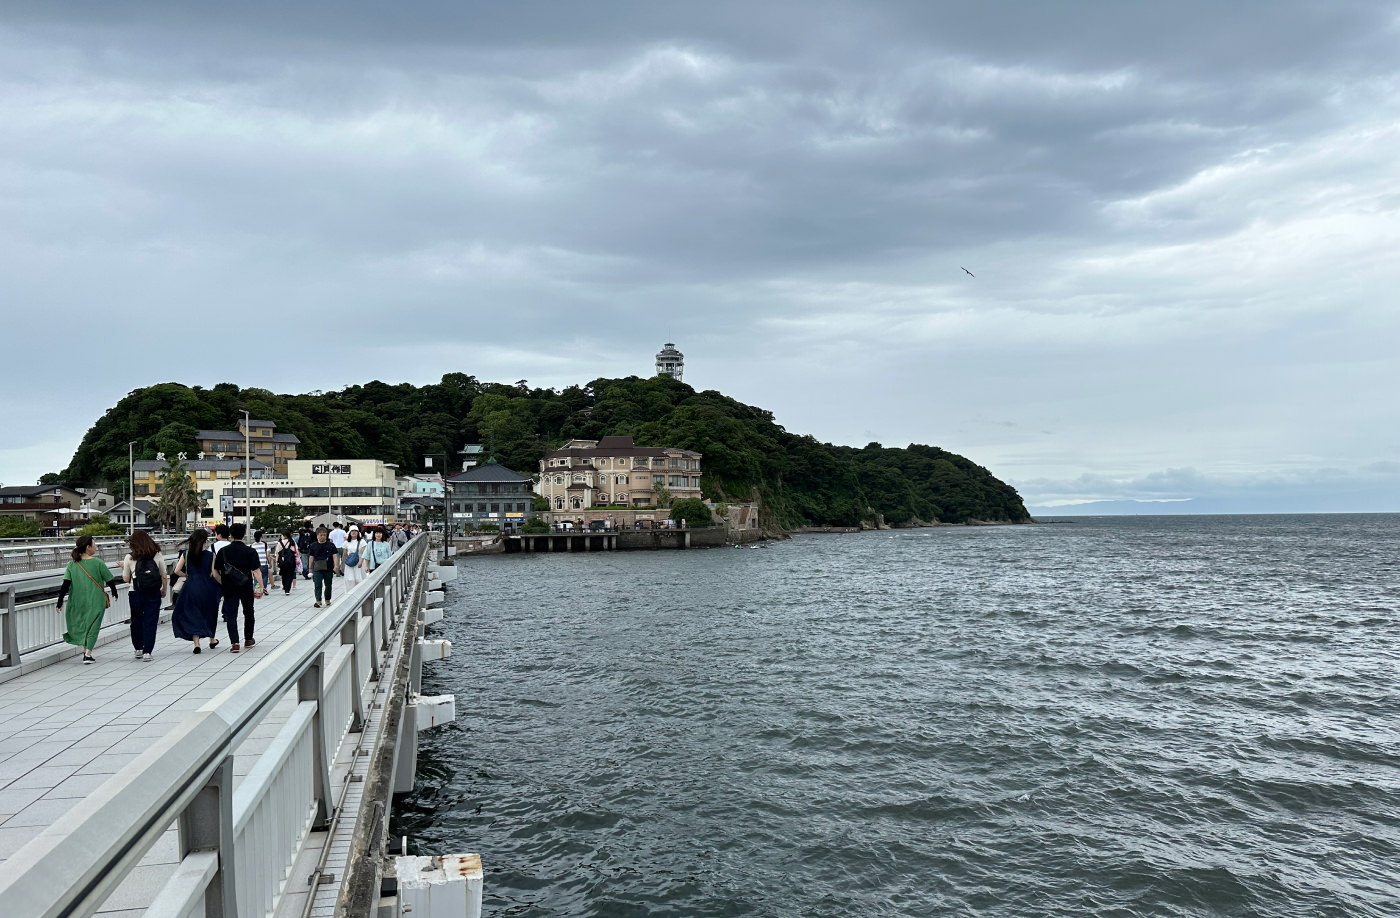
pixel 29 626
pixel 57 555
pixel 236 848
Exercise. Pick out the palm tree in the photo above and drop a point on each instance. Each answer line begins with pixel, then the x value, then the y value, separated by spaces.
pixel 178 496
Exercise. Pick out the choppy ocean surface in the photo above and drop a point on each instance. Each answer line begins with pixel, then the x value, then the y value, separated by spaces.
pixel 1151 716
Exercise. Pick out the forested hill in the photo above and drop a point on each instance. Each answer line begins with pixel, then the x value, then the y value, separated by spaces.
pixel 801 481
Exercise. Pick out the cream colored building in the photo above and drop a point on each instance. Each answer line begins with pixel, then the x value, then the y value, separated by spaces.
pixel 615 472
pixel 360 489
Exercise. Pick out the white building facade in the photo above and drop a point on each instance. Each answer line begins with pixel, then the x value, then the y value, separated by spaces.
pixel 359 489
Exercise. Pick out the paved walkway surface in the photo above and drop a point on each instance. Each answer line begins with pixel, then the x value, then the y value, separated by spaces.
pixel 66 728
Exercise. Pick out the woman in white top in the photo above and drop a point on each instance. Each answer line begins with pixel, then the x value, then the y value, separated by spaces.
pixel 144 569
pixel 356 563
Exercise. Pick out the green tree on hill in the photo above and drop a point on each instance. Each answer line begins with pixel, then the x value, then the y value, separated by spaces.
pixel 747 454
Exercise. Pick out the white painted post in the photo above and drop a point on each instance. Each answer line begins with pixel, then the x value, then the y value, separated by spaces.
pixel 207 825
pixel 349 634
pixel 440 887
pixel 9 630
pixel 311 688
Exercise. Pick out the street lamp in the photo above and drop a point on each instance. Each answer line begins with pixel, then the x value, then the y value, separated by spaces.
pixel 446 500
pixel 130 488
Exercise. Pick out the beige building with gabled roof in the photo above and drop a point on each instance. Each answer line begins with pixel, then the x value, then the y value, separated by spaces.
pixel 615 472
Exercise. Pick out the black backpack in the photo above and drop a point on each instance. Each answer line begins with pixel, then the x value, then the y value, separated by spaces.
pixel 287 556
pixel 303 541
pixel 147 576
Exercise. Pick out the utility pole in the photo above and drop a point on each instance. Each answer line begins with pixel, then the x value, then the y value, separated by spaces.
pixel 130 488
pixel 247 472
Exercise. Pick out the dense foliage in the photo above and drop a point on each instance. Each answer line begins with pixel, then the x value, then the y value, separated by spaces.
pixel 279 518
pixel 100 525
pixel 694 512
pixel 15 527
pixel 747 454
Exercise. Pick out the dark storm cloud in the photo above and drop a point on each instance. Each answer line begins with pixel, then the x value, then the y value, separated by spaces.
pixel 548 189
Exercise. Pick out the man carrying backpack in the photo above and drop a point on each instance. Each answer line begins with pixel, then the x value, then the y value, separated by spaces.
pixel 144 569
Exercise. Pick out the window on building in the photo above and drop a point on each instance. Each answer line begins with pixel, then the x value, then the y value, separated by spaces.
pixel 558 503
pixel 495 508
pixel 142 490
pixel 480 508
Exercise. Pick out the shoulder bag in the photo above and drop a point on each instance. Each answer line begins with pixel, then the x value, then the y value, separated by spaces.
pixel 105 598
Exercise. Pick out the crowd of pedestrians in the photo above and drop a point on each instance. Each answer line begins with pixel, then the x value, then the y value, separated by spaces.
pixel 216 574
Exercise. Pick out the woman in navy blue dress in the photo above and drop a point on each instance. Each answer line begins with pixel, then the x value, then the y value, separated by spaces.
pixel 197 608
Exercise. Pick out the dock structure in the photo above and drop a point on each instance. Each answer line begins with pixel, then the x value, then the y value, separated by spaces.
pixel 224 785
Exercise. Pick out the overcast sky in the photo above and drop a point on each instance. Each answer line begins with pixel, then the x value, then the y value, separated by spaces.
pixel 1183 218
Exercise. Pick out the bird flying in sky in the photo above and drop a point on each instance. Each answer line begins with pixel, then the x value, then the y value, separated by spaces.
pixel 967 272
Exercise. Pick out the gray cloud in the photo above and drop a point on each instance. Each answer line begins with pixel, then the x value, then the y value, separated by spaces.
pixel 1182 220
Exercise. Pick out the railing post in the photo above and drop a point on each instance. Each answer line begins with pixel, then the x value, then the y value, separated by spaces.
pixel 415 665
pixel 350 634
pixel 310 687
pixel 376 625
pixel 207 825
pixel 9 630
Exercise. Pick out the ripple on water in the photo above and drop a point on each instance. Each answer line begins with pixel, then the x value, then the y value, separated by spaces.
pixel 1120 717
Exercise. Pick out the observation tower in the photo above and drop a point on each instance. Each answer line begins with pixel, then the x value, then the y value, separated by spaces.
pixel 670 362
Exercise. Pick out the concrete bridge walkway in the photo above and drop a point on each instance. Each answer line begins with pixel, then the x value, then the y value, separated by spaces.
pixel 67 728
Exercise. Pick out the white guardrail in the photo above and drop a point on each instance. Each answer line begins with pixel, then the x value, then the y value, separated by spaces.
pixel 236 847
pixel 32 558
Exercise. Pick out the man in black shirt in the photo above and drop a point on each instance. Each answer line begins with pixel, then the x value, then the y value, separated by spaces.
pixel 237 568
pixel 325 558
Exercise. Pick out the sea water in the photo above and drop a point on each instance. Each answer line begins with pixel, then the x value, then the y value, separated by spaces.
pixel 1148 716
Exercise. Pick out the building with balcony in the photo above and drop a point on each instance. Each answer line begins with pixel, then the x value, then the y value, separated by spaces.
pixel 146 474
pixel 615 472
pixel 261 437
pixel 491 493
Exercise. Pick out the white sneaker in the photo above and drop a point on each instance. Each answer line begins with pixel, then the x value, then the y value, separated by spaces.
pixel 138 655
pixel 145 658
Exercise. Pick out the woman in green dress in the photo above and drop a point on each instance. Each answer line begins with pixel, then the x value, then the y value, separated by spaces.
pixel 85 577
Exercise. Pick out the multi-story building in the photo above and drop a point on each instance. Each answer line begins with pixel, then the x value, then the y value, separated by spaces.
pixel 491 493
pixel 205 473
pixel 360 489
pixel 615 472
pixel 261 437
pixel 41 503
